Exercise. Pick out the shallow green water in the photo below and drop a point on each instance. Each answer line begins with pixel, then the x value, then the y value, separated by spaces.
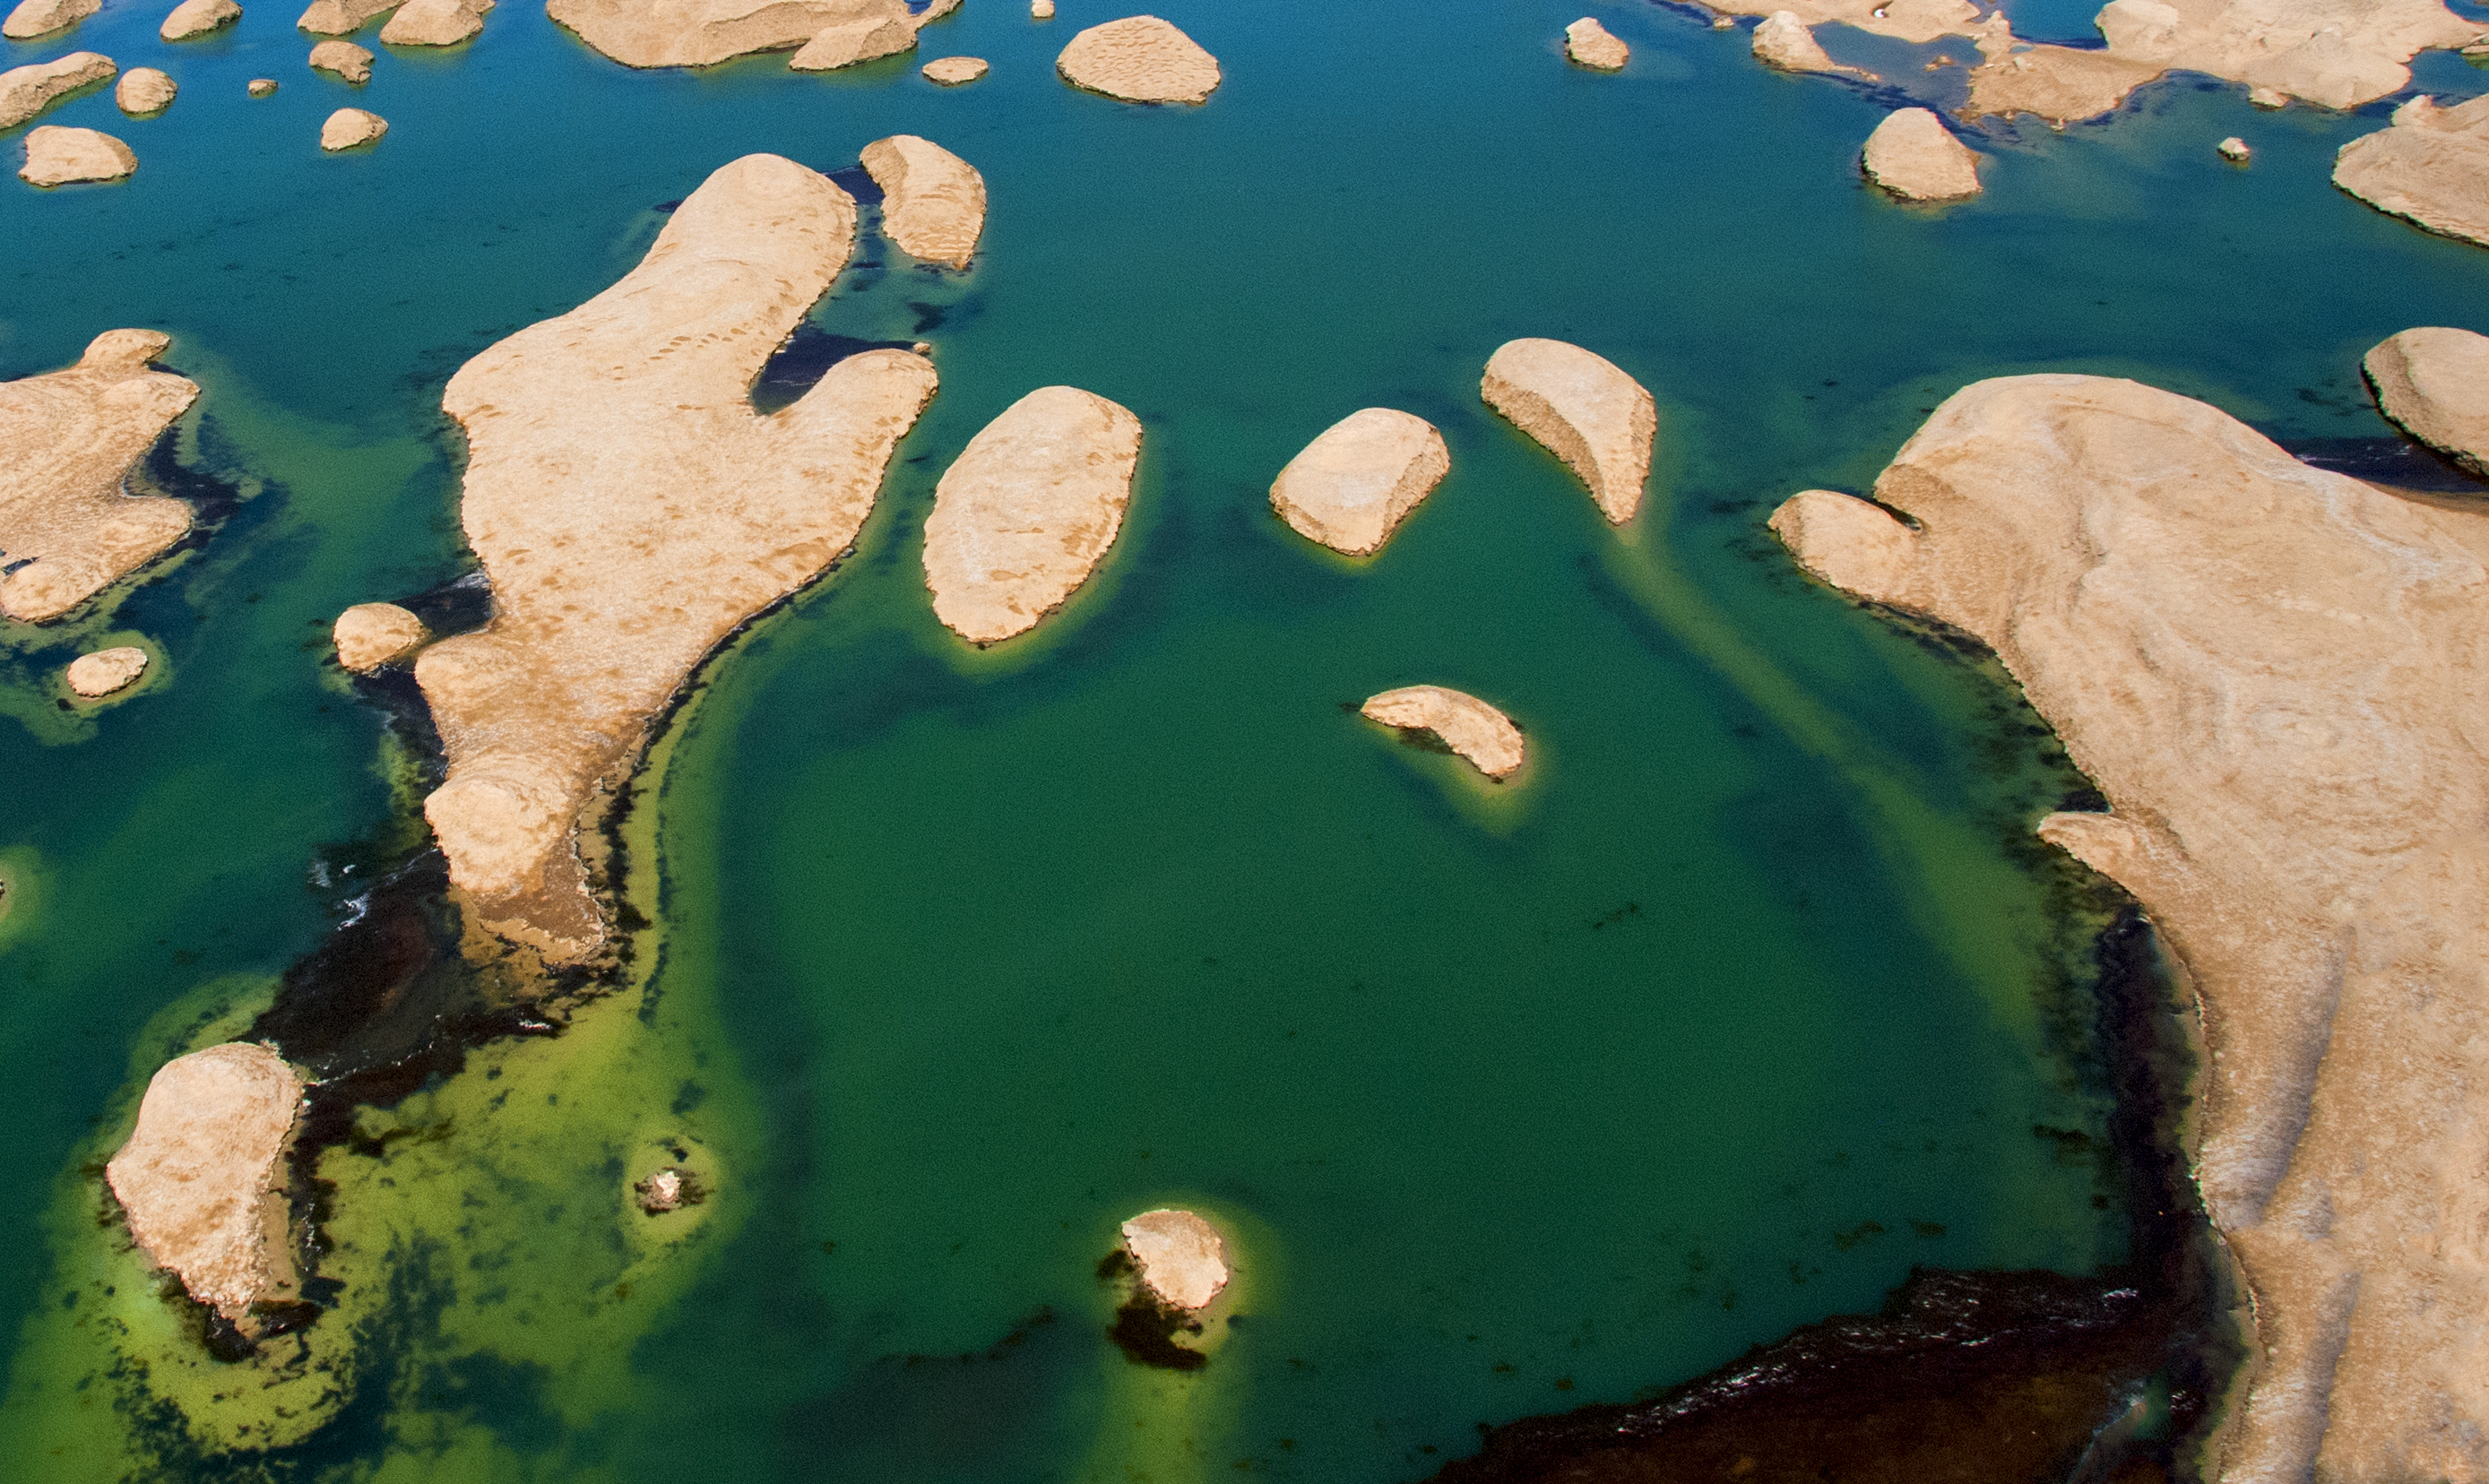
pixel 1745 1000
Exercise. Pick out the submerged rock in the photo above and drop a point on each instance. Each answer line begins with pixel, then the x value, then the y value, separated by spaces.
pixel 631 510
pixel 67 441
pixel 1354 484
pixel 60 156
pixel 2434 385
pixel 1587 43
pixel 435 22
pixel 1028 510
pixel 933 202
pixel 201 1177
pixel 27 90
pixel 41 17
pixel 345 59
pixel 1140 59
pixel 952 72
pixel 371 634
pixel 2272 672
pixel 1584 410
pixel 1180 1257
pixel 1467 725
pixel 2431 166
pixel 142 91
pixel 341 18
pixel 107 670
pixel 1913 156
pixel 198 18
pixel 1784 41
pixel 350 129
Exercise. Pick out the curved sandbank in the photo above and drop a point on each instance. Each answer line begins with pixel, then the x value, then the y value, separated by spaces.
pixel 2434 385
pixel 1180 1257
pixel 631 510
pixel 1028 510
pixel 67 440
pixel 1465 724
pixel 106 670
pixel 1140 59
pixel 2269 670
pixel 2431 166
pixel 933 202
pixel 1911 154
pixel 1359 479
pixel 200 1177
pixel 1583 409
pixel 27 90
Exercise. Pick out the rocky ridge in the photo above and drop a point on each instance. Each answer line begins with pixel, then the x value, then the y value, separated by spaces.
pixel 1583 409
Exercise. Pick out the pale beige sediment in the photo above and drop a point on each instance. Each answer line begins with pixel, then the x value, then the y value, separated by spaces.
pixel 1784 41
pixel 342 17
pixel 142 91
pixel 435 22
pixel 1914 156
pixel 1587 43
pixel 67 441
pixel 1584 410
pixel 61 156
pixel 27 90
pixel 350 129
pixel 2274 674
pixel 106 670
pixel 345 59
pixel 41 17
pixel 198 18
pixel 1181 1258
pixel 631 510
pixel 1465 724
pixel 2430 166
pixel 952 72
pixel 1140 59
pixel 1355 483
pixel 202 1177
pixel 371 634
pixel 1028 510
pixel 933 202
pixel 2434 384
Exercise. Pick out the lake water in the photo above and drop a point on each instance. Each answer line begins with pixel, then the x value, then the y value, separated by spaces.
pixel 1751 994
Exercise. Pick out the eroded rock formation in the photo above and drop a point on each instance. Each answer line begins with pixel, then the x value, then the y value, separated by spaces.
pixel 67 440
pixel 2272 674
pixel 2434 384
pixel 142 91
pixel 2430 166
pixel 1028 510
pixel 952 72
pixel 371 634
pixel 198 18
pixel 1357 481
pixel 60 156
pixel 262 87
pixel 106 670
pixel 345 59
pixel 41 17
pixel 1180 1257
pixel 1784 41
pixel 1914 156
pixel 1587 43
pixel 696 32
pixel 879 31
pixel 435 22
pixel 27 90
pixel 1463 723
pixel 1909 20
pixel 341 18
pixel 201 1177
pixel 1584 410
pixel 632 510
pixel 933 202
pixel 350 129
pixel 2056 84
pixel 1140 59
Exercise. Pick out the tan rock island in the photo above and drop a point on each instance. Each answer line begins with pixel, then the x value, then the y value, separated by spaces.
pixel 1181 1258
pixel 933 202
pixel 341 18
pixel 350 129
pixel 1911 154
pixel 27 90
pixel 1352 486
pixel 62 157
pixel 344 59
pixel 631 511
pixel 435 22
pixel 1140 59
pixel 697 33
pixel 371 634
pixel 883 29
pixel 198 18
pixel 2430 166
pixel 106 670
pixel 1587 43
pixel 1784 41
pixel 41 17
pixel 67 441
pixel 954 71
pixel 1478 731
pixel 2272 673
pixel 201 1179
pixel 2434 385
pixel 1584 410
pixel 1028 510
pixel 142 91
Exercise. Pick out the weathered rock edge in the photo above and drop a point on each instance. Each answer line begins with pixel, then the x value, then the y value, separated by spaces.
pixel 933 202
pixel 1582 407
pixel 2429 167
pixel 1359 479
pixel 1478 731
pixel 2272 672
pixel 201 1178
pixel 631 510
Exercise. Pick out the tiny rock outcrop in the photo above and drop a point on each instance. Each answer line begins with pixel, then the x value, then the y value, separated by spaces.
pixel 2272 672
pixel 345 59
pixel 1028 510
pixel 1463 723
pixel 1354 484
pixel 2434 385
pixel 1784 41
pixel 2234 150
pixel 631 511
pixel 1584 410
pixel 27 90
pixel 341 18
pixel 435 22
pixel 1140 59
pixel 371 634
pixel 1911 154
pixel 142 91
pixel 1041 10
pixel 41 17
pixel 2431 166
pixel 933 202
pixel 1587 43
pixel 952 72
pixel 67 440
pixel 350 129
pixel 198 18
pixel 262 87
pixel 201 1179
pixel 62 157
pixel 1180 1257
pixel 107 670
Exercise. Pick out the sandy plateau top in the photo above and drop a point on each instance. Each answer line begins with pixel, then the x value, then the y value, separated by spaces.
pixel 933 202
pixel 2275 674
pixel 631 510
pixel 200 1178
pixel 1584 410
pixel 2434 384
pixel 1028 510
pixel 1355 482
pixel 1465 724
pixel 1182 1259
pixel 1140 59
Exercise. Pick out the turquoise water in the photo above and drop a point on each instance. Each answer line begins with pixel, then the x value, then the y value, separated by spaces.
pixel 1746 999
